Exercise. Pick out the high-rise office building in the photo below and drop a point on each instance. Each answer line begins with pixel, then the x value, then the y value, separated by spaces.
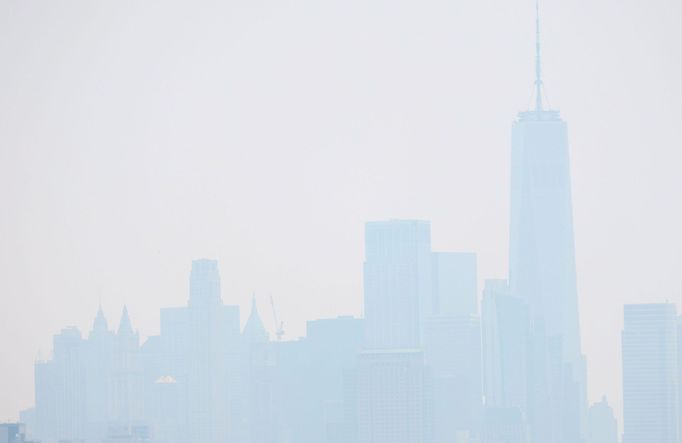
pixel 60 389
pixel 542 257
pixel 452 349
pixel 254 387
pixel 390 396
pixel 204 284
pixel 314 394
pixel 542 267
pixel 197 343
pixel 650 384
pixel 91 387
pixel 126 372
pixel 98 376
pixel 397 280
pixel 332 347
pixel 398 299
pixel 506 334
pixel 452 356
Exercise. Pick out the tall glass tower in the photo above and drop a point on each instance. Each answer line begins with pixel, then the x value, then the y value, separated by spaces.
pixel 650 373
pixel 542 259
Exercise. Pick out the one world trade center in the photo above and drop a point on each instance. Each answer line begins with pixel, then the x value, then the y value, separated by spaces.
pixel 543 272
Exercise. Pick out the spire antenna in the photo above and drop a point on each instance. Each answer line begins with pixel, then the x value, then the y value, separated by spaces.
pixel 538 60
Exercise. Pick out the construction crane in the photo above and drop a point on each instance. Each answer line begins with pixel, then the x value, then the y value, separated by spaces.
pixel 279 327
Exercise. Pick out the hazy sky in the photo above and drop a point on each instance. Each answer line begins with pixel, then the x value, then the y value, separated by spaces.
pixel 138 135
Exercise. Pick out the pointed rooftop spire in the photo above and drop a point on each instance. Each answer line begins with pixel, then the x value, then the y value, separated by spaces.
pixel 538 64
pixel 254 331
pixel 100 324
pixel 125 327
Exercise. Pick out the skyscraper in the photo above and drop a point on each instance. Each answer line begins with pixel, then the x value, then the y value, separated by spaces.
pixel 505 348
pixel 256 384
pixel 98 376
pixel 390 396
pixel 332 345
pixel 650 374
pixel 397 277
pixel 398 297
pixel 542 265
pixel 91 387
pixel 60 389
pixel 127 374
pixel 542 257
pixel 452 356
pixel 313 388
pixel 452 349
pixel 197 346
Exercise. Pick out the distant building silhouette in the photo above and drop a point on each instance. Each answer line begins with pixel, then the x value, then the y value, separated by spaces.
pixel 126 384
pixel 91 388
pixel 314 389
pixel 650 384
pixel 542 271
pixel 452 349
pixel 506 342
pixel 60 389
pixel 397 280
pixel 601 423
pixel 398 297
pixel 99 378
pixel 452 356
pixel 391 396
pixel 422 366
pixel 257 382
pixel 198 348
pixel 419 375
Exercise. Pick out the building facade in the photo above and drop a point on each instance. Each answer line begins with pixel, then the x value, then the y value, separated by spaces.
pixel 650 384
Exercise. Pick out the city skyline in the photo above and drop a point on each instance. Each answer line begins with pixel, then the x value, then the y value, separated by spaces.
pixel 72 398
pixel 283 299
